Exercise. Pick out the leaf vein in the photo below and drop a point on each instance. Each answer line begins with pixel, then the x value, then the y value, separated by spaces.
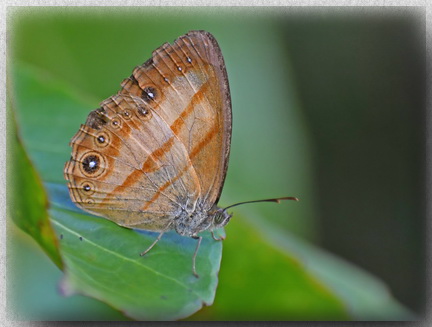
pixel 125 258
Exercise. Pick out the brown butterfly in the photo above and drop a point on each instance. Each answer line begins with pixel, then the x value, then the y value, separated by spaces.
pixel 155 155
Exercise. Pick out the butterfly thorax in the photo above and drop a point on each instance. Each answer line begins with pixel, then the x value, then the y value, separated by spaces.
pixel 200 219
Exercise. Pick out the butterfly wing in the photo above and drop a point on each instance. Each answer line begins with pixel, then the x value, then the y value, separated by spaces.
pixel 129 167
pixel 188 85
pixel 162 143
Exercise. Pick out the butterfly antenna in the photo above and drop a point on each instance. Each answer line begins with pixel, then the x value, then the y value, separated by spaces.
pixel 277 200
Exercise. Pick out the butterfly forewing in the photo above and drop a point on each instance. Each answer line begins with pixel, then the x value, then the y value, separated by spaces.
pixel 195 102
pixel 161 144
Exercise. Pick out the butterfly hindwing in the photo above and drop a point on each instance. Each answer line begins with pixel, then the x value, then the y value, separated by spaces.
pixel 139 170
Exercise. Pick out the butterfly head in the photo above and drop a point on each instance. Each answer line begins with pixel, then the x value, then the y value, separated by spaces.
pixel 220 218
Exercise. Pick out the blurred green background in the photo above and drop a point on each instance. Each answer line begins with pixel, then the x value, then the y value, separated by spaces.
pixel 328 106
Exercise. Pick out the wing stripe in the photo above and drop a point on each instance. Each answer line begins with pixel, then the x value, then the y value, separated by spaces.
pixel 156 155
pixel 204 141
pixel 175 127
pixel 144 72
pixel 207 138
pixel 163 187
pixel 197 98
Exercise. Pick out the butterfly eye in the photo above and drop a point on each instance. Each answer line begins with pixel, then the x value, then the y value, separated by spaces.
pixel 219 218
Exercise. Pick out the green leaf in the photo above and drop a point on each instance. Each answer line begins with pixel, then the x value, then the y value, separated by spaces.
pixel 27 201
pixel 101 259
pixel 32 287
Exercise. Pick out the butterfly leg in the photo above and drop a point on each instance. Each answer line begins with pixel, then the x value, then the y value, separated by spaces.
pixel 217 238
pixel 199 238
pixel 153 244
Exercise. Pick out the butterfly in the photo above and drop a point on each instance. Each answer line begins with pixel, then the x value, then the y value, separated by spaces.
pixel 155 155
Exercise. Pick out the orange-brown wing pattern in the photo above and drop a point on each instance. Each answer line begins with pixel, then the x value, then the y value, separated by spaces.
pixel 128 166
pixel 187 84
pixel 161 144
